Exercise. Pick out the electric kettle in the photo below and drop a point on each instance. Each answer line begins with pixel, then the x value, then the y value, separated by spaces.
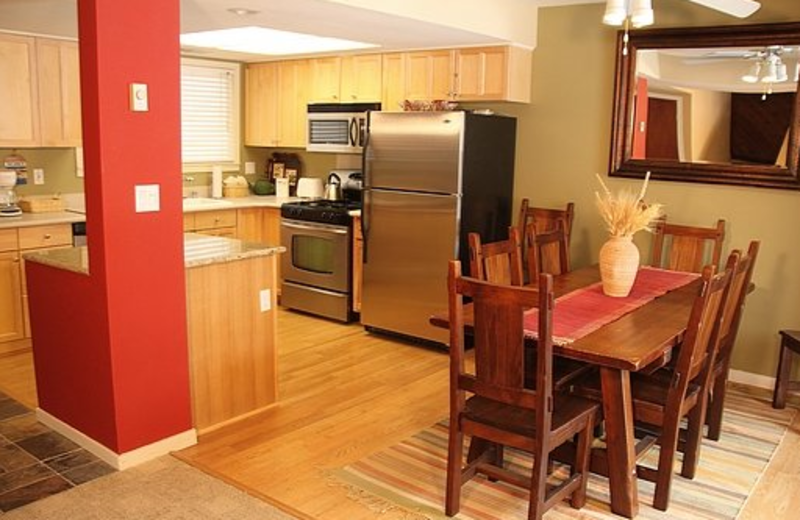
pixel 333 190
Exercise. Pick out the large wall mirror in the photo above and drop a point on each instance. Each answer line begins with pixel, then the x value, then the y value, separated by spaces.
pixel 712 104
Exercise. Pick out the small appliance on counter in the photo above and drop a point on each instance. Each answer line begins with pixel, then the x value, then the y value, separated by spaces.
pixel 309 188
pixel 8 194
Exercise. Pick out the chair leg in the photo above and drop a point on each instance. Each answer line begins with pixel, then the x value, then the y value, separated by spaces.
pixel 537 495
pixel 716 405
pixel 694 437
pixel 583 450
pixel 782 378
pixel 455 449
pixel 669 445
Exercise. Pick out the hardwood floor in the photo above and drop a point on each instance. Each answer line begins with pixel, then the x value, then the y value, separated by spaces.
pixel 345 393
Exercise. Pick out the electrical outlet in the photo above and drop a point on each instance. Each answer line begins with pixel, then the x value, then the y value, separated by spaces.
pixel 249 168
pixel 38 176
pixel 265 299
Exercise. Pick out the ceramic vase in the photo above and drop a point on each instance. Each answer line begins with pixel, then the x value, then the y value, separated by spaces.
pixel 619 262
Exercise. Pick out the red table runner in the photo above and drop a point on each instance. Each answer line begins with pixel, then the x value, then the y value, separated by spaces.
pixel 585 310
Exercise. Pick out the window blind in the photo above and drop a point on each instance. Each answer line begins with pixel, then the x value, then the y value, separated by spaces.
pixel 209 114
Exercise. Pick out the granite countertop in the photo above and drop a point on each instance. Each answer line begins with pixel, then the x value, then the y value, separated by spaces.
pixel 198 250
pixel 78 215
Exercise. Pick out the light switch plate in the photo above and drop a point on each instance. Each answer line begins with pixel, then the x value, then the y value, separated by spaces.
pixel 139 101
pixel 249 168
pixel 265 297
pixel 148 198
pixel 38 176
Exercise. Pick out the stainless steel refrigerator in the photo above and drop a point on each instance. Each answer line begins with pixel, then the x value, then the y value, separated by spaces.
pixel 430 178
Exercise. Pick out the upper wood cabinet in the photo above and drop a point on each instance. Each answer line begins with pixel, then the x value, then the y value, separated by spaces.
pixel 276 95
pixel 493 74
pixel 393 90
pixel 361 78
pixel 326 75
pixel 429 75
pixel 346 79
pixel 40 92
pixel 19 124
pixel 59 92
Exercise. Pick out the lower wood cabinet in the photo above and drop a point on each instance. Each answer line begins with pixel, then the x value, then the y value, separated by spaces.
pixel 14 320
pixel 231 322
pixel 221 223
pixel 358 263
pixel 261 225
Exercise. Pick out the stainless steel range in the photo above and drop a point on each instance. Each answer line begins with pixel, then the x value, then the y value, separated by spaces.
pixel 316 269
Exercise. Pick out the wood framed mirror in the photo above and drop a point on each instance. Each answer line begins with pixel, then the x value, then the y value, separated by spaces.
pixel 710 104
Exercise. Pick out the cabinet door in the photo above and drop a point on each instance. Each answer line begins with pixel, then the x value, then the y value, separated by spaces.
pixel 429 75
pixel 394 82
pixel 262 225
pixel 19 124
pixel 261 105
pixel 59 92
pixel 325 78
pixel 12 324
pixel 481 74
pixel 209 220
pixel 361 78
pixel 293 100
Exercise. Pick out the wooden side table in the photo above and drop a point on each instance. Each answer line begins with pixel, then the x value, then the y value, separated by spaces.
pixel 790 344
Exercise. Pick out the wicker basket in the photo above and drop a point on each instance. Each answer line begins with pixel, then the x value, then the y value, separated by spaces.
pixel 42 204
pixel 230 192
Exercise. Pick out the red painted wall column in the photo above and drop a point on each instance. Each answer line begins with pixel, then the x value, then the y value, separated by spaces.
pixel 111 349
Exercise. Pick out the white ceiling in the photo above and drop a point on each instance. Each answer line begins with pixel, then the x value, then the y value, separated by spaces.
pixel 320 17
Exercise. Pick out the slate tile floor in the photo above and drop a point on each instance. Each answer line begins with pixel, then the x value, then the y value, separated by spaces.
pixel 36 462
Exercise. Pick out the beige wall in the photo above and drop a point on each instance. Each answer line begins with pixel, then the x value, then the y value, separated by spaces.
pixel 563 141
pixel 59 170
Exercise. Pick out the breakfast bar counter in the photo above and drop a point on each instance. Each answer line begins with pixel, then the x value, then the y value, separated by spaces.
pixel 231 290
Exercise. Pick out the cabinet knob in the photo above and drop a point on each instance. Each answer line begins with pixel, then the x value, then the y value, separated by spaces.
pixel 48 236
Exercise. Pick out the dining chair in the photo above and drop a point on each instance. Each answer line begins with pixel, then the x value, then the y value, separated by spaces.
pixel 662 399
pixel 496 262
pixel 501 263
pixel 741 278
pixel 548 251
pixel 790 346
pixel 545 218
pixel 499 409
pixel 684 248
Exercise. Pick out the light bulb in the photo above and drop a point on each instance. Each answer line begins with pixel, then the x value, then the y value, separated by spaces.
pixel 641 13
pixel 771 74
pixel 616 12
pixel 783 74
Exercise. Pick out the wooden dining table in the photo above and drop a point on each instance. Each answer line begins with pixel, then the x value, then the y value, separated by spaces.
pixel 637 340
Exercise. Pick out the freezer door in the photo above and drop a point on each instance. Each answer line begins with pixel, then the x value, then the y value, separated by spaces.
pixel 414 151
pixel 408 240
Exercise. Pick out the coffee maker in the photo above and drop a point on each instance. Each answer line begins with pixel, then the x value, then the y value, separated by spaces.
pixel 8 194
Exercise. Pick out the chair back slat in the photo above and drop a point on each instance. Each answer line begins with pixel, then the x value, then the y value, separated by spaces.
pixel 548 251
pixel 740 284
pixel 499 340
pixel 687 248
pixel 497 262
pixel 545 219
pixel 697 350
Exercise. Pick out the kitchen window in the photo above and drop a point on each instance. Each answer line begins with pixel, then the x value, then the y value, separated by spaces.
pixel 210 109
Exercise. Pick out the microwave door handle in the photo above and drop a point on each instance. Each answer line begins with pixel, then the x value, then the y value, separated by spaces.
pixel 354 131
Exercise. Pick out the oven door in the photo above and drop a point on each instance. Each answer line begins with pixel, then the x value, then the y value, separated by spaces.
pixel 317 255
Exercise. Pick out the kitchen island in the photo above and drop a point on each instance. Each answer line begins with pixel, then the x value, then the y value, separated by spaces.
pixel 231 323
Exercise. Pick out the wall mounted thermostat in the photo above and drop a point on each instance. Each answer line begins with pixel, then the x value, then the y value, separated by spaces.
pixel 139 102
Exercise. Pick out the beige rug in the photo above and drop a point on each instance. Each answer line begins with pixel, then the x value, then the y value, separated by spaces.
pixel 165 488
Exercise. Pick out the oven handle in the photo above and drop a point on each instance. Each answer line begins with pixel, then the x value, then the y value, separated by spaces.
pixel 314 228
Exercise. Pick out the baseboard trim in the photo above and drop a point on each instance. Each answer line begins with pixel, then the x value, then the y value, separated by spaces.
pixel 119 461
pixel 751 379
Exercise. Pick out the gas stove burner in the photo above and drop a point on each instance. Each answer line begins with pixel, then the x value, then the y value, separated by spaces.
pixel 336 212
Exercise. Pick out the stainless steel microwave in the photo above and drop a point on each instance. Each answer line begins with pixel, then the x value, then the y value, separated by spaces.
pixel 338 127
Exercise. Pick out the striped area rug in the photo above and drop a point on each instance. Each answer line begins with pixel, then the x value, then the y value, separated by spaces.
pixel 410 476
